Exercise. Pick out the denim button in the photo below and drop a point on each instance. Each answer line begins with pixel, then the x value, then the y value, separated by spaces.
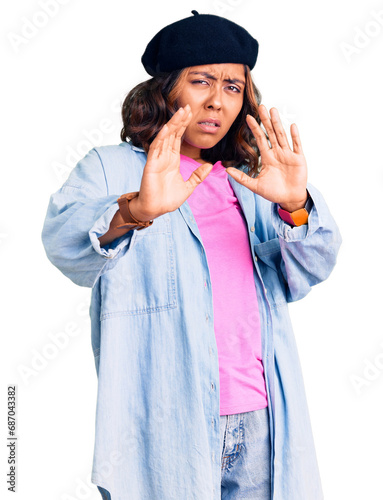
pixel 252 229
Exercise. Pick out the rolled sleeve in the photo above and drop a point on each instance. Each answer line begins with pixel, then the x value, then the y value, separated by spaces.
pixel 309 251
pixel 297 233
pixel 100 227
pixel 78 213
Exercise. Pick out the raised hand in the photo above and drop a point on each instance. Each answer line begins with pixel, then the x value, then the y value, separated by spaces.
pixel 283 176
pixel 163 188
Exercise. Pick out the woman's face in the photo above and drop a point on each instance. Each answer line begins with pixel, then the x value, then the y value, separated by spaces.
pixel 215 94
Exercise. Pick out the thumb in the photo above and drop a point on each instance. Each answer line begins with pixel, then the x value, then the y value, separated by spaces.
pixel 236 174
pixel 200 174
pixel 242 178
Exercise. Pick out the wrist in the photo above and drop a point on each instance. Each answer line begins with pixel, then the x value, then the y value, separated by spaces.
pixel 129 219
pixel 299 216
pixel 135 211
pixel 292 207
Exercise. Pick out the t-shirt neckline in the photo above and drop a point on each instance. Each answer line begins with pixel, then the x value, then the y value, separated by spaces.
pixel 217 166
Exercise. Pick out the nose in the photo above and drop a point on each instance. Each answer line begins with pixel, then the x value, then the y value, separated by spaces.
pixel 215 98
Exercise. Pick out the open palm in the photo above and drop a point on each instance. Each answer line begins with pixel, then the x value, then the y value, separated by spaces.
pixel 163 188
pixel 283 176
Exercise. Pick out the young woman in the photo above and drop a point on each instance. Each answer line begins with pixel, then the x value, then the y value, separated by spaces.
pixel 194 234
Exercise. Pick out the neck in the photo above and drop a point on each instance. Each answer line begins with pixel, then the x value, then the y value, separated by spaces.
pixel 192 152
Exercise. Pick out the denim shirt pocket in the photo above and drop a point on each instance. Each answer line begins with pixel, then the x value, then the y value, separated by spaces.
pixel 269 259
pixel 144 280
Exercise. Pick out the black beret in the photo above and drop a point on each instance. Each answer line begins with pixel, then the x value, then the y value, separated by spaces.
pixel 196 40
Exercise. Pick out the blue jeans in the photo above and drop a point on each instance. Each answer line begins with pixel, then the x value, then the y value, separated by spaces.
pixel 245 465
pixel 245 469
pixel 104 493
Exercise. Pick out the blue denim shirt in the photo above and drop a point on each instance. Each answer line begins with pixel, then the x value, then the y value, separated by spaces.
pixel 157 415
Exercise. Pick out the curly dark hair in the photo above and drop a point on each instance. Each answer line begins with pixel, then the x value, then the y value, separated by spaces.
pixel 150 104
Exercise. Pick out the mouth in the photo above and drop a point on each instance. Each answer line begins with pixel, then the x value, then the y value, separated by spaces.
pixel 210 122
pixel 211 126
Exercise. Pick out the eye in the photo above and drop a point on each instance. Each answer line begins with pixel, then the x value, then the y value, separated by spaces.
pixel 199 81
pixel 232 87
pixel 235 88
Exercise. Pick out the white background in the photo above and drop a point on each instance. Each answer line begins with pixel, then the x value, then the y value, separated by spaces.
pixel 320 64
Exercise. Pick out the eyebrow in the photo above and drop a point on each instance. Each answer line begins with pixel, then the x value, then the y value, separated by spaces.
pixel 207 75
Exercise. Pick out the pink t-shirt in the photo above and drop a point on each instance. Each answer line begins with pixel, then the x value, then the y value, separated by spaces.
pixel 223 230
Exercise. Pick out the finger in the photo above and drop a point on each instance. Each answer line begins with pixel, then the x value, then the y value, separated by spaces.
pixel 156 145
pixel 265 119
pixel 160 136
pixel 174 120
pixel 259 134
pixel 176 123
pixel 297 145
pixel 278 128
pixel 165 144
pixel 198 176
pixel 177 129
pixel 185 121
pixel 243 179
pixel 166 130
pixel 177 118
pixel 180 132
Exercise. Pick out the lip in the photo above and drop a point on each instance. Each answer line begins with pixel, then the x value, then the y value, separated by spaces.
pixel 209 129
pixel 211 120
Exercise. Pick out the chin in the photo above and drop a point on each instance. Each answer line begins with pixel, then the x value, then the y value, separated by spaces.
pixel 203 146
